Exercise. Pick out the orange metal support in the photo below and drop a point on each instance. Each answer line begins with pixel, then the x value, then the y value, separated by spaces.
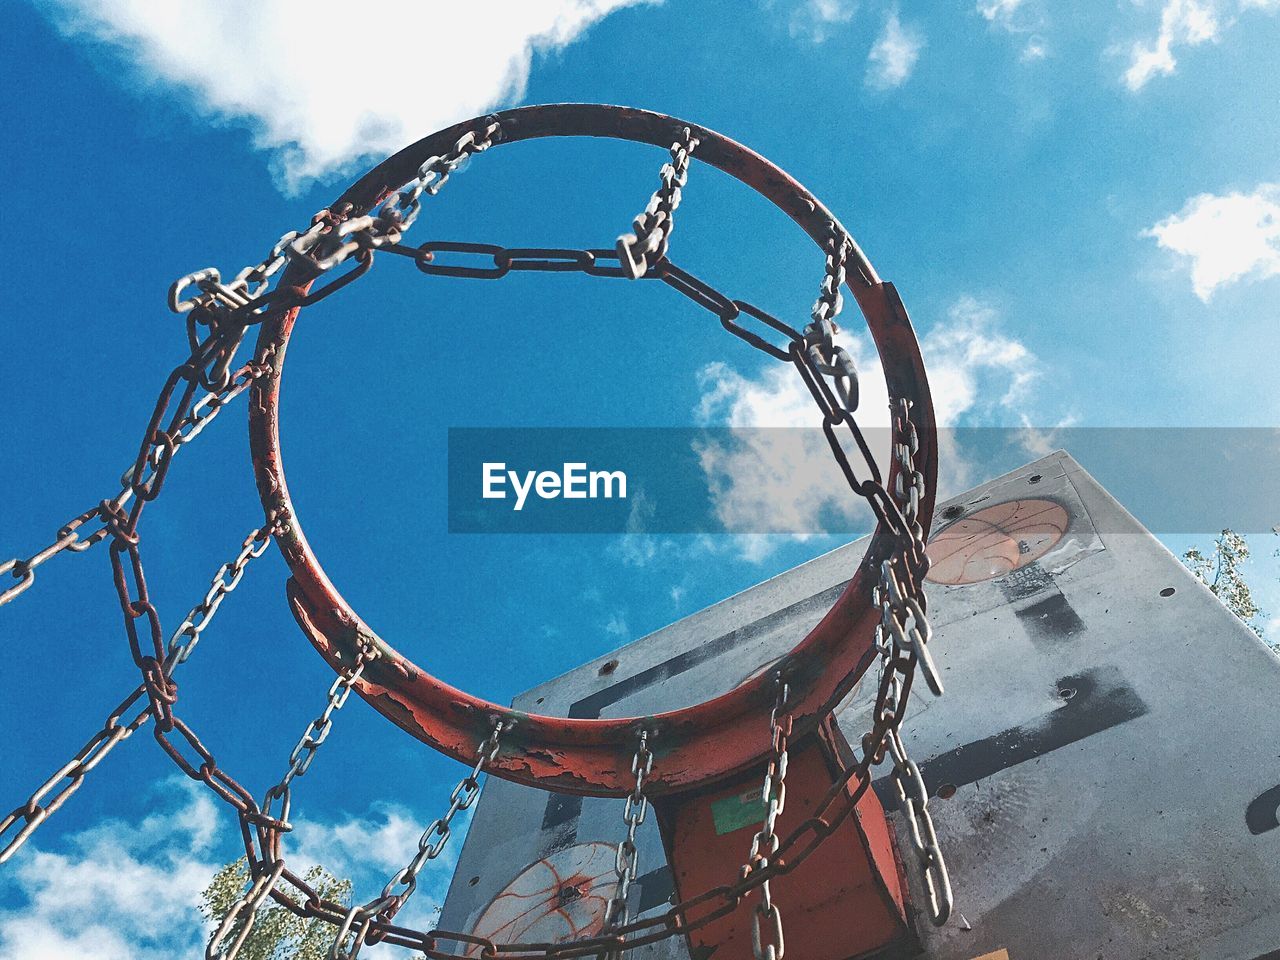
pixel 848 900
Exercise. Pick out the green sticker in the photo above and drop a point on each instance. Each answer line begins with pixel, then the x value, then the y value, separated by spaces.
pixel 746 809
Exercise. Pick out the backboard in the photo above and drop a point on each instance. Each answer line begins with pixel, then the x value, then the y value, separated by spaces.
pixel 1103 762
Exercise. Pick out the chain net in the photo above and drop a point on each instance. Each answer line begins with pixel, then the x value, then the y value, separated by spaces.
pixel 218 313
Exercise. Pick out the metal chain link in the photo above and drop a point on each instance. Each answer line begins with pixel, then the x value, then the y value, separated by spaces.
pixel 265 873
pixel 33 813
pixel 913 800
pixel 626 857
pixel 316 734
pixel 335 236
pixel 908 486
pixel 404 208
pixel 203 412
pixel 354 931
pixel 640 250
pixel 819 336
pixel 903 621
pixel 903 636
pixel 767 942
pixel 332 238
pixel 830 301
pixel 71 537
pixel 902 648
pixel 29 816
pixel 187 636
pixel 249 284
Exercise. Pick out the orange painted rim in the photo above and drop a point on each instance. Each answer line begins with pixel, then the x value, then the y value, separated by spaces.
pixel 692 746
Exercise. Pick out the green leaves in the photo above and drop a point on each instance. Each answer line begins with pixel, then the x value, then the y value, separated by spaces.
pixel 1221 573
pixel 277 934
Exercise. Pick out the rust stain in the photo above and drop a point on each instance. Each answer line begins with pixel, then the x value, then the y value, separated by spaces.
pixel 697 745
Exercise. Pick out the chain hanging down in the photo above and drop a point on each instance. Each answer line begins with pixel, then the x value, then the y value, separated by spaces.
pixel 265 872
pixel 828 357
pixel 317 733
pixel 766 919
pixel 900 650
pixel 904 631
pixel 113 732
pixel 344 233
pixel 331 239
pixel 904 626
pixel 354 930
pixel 638 252
pixel 626 858
pixel 71 536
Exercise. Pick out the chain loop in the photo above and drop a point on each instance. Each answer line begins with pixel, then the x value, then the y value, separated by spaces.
pixel 913 801
pixel 354 929
pixel 33 813
pixel 218 314
pixel 332 238
pixel 766 941
pixel 626 857
pixel 312 738
pixel 71 537
pixel 641 250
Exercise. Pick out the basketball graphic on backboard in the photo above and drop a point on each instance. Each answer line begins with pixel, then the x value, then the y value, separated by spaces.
pixel 556 899
pixel 995 541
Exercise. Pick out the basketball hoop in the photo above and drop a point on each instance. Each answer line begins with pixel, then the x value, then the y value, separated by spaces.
pixel 701 743
pixel 669 757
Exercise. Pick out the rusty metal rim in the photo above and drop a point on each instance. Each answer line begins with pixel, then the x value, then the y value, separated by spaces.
pixel 695 745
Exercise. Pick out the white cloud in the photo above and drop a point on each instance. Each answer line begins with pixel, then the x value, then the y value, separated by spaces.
pixel 318 95
pixel 1018 19
pixel 978 376
pixel 122 891
pixel 816 20
pixel 1035 49
pixel 773 477
pixel 787 480
pixel 381 841
pixel 894 54
pixel 637 547
pixel 130 890
pixel 998 10
pixel 1225 238
pixel 976 372
pixel 1182 23
pixel 781 479
pixel 1042 441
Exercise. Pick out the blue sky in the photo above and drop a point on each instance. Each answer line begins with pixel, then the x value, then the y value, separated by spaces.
pixel 1080 209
